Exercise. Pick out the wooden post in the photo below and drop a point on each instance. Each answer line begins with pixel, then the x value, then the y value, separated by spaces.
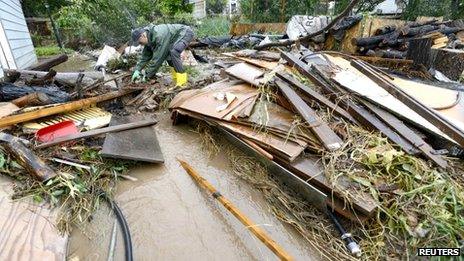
pixel 27 158
pixel 420 51
pixel 32 99
pixel 257 231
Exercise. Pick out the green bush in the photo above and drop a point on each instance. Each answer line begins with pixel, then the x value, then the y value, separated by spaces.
pixel 51 50
pixel 90 22
pixel 212 26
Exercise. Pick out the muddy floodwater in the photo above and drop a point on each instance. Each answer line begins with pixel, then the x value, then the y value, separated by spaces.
pixel 171 218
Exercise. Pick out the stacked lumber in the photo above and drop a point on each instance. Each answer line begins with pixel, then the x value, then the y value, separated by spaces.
pixel 392 41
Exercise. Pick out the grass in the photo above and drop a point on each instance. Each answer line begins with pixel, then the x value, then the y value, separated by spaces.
pixel 42 51
pixel 419 205
pixel 212 26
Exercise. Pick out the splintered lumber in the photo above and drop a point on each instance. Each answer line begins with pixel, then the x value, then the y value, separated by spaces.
pixel 47 64
pixel 407 133
pixel 329 139
pixel 47 78
pixel 358 112
pixel 434 118
pixel 316 96
pixel 250 225
pixel 91 133
pixel 420 52
pixel 32 99
pixel 62 108
pixel 33 164
pixel 140 144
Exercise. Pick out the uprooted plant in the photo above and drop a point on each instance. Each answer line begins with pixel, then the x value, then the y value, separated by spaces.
pixel 75 191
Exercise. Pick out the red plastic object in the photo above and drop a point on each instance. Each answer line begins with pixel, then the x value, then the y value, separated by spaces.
pixel 54 131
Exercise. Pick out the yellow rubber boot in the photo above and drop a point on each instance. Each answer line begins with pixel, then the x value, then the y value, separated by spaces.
pixel 173 74
pixel 181 79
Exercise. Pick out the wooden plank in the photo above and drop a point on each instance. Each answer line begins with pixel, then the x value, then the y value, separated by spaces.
pixel 96 132
pixel 329 139
pixel 62 108
pixel 27 230
pixel 246 28
pixel 407 133
pixel 33 164
pixel 443 124
pixel 139 144
pixel 315 95
pixel 311 170
pixel 358 112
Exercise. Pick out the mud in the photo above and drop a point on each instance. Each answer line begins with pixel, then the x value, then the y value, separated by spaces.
pixel 171 218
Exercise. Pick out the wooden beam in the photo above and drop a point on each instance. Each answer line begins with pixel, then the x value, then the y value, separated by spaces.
pixel 47 64
pixel 363 116
pixel 96 132
pixel 407 133
pixel 62 108
pixel 33 164
pixel 329 139
pixel 316 96
pixel 32 99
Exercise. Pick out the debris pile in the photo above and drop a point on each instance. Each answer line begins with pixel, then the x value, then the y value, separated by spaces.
pixel 349 132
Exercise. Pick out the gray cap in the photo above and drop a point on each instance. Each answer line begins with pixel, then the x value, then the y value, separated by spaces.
pixel 136 33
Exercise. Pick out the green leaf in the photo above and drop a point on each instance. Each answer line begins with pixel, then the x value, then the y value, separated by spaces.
pixel 37 198
pixel 57 193
pixel 362 181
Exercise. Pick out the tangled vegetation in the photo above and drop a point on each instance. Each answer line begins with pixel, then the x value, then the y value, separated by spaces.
pixel 76 192
pixel 418 205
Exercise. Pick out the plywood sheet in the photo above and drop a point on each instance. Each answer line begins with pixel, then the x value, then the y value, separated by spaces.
pixel 355 81
pixel 140 144
pixel 246 72
pixel 204 101
pixel 266 140
pixel 429 95
pixel 27 232
pixel 7 108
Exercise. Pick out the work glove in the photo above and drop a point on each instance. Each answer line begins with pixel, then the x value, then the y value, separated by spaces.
pixel 135 75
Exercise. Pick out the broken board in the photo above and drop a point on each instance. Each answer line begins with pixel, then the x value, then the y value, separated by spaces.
pixel 140 144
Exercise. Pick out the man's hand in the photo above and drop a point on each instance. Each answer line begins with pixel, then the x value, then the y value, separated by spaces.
pixel 135 75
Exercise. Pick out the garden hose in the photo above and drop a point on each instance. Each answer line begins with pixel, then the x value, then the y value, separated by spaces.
pixel 124 227
pixel 352 246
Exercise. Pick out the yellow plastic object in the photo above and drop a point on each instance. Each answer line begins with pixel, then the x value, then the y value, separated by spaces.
pixel 173 73
pixel 181 79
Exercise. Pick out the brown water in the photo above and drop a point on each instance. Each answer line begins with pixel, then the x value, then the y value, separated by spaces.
pixel 171 218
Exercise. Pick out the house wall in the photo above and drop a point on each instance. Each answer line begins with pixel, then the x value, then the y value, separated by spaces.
pixel 17 50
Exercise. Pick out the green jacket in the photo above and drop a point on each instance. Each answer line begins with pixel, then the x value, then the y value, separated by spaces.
pixel 161 38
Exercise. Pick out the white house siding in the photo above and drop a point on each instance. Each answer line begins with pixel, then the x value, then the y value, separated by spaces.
pixel 15 40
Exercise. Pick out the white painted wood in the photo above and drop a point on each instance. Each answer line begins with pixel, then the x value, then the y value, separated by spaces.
pixel 17 50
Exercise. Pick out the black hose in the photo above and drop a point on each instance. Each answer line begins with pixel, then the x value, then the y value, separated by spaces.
pixel 124 227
